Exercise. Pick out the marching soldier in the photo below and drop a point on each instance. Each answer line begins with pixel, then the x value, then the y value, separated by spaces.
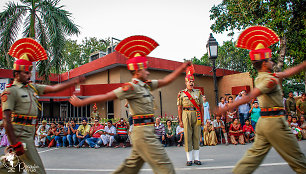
pixel 146 146
pixel 190 109
pixel 271 129
pixel 20 104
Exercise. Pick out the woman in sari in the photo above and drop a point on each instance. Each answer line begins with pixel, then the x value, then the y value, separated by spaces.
pixel 209 134
pixel 235 132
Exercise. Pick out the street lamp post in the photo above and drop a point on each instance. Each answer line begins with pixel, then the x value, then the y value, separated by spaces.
pixel 212 50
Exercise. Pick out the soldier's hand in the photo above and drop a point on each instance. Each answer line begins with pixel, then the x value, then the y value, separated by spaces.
pixel 75 101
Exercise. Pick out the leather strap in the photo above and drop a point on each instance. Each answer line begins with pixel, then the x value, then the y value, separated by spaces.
pixel 195 105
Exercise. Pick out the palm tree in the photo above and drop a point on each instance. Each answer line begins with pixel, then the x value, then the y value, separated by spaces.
pixel 43 20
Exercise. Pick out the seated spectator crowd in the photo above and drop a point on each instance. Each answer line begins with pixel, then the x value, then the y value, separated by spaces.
pixel 235 127
pixel 296 112
pixel 84 135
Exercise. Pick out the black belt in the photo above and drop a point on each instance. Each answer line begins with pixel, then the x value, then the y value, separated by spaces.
pixel 189 108
pixel 24 119
pixel 147 119
pixel 143 121
pixel 272 113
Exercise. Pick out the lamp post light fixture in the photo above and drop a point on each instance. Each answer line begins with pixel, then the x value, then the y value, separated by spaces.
pixel 212 50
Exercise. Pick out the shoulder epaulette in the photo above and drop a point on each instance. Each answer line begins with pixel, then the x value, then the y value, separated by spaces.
pixel 127 87
pixel 9 85
pixel 179 94
pixel 275 75
pixel 135 81
pixel 272 83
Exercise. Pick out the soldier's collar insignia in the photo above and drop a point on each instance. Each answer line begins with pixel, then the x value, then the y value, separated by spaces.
pixel 135 81
pixel 9 85
pixel 141 83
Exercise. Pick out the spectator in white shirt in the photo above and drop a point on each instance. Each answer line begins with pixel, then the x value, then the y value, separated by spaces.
pixel 108 137
pixel 180 134
pixel 38 133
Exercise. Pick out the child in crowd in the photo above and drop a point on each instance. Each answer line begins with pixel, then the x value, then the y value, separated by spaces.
pixel 255 114
pixel 289 119
pixel 296 130
pixel 42 136
pixel 248 131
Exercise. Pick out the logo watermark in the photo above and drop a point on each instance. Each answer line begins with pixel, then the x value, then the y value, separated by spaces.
pixel 12 162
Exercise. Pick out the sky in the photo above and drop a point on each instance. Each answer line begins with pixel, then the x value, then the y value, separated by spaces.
pixel 181 27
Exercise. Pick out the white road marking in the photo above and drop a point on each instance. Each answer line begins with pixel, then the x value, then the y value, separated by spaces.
pixel 177 169
pixel 47 150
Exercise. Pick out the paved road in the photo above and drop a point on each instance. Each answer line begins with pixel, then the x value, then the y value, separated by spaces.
pixel 218 159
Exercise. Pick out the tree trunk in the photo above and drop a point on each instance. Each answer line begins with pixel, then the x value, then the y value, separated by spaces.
pixel 8 60
pixel 32 35
pixel 282 53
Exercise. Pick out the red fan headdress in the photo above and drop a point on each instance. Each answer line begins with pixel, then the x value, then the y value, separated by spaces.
pixel 136 48
pixel 26 50
pixel 257 39
pixel 189 73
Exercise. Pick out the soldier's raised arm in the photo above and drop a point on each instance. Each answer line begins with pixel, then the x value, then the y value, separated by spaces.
pixel 172 76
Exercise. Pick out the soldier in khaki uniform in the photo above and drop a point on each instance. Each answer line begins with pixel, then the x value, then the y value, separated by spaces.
pixel 190 115
pixel 20 104
pixel 146 146
pixel 271 129
pixel 290 104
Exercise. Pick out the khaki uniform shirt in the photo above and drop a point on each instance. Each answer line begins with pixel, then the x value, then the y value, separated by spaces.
pixel 302 106
pixel 20 98
pixel 290 104
pixel 183 100
pixel 270 88
pixel 138 95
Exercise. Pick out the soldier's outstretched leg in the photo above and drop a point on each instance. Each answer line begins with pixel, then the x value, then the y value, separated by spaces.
pixel 254 156
pixel 146 148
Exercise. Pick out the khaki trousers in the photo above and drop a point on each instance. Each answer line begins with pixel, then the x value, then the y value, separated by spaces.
pixel 272 132
pixel 31 158
pixel 146 148
pixel 192 131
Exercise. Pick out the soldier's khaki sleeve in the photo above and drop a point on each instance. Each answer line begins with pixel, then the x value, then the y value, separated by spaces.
pixel 154 84
pixel 125 92
pixel 179 99
pixel 265 85
pixel 8 99
pixel 40 88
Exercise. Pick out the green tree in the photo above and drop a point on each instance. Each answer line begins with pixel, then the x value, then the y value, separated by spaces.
pixel 76 54
pixel 91 45
pixel 231 58
pixel 72 52
pixel 43 20
pixel 285 17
